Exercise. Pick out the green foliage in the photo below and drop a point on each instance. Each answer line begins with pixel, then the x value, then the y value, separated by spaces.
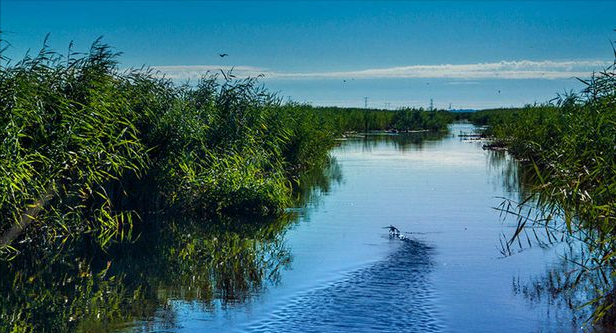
pixel 67 137
pixel 233 183
pixel 571 145
pixel 405 119
pixel 416 120
pixel 86 148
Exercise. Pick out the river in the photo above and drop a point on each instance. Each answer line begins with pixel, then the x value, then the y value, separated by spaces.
pixel 331 266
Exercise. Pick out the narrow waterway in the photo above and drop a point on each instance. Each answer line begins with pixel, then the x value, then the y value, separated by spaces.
pixel 330 266
pixel 347 275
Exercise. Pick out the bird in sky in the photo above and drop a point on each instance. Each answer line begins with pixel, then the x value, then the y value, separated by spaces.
pixel 222 55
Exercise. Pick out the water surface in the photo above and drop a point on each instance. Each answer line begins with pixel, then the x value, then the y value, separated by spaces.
pixel 329 266
pixel 347 274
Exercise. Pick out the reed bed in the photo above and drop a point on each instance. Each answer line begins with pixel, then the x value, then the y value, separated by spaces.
pixel 87 148
pixel 571 145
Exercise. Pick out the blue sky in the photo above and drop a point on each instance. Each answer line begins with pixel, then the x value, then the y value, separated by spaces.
pixel 467 54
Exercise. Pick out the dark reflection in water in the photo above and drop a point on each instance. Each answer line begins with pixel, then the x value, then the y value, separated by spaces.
pixel 568 293
pixel 570 289
pixel 192 275
pixel 404 142
pixel 316 182
pixel 73 285
pixel 393 295
pixel 515 176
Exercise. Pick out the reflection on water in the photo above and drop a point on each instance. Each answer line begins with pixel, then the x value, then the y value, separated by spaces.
pixel 404 142
pixel 565 286
pixel 548 290
pixel 326 266
pixel 574 286
pixel 72 285
pixel 51 291
pixel 570 289
pixel 516 210
pixel 393 295
pixel 316 182
pixel 76 286
pixel 515 177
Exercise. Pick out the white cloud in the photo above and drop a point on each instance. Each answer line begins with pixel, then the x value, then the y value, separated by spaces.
pixel 522 69
pixel 463 83
pixel 195 72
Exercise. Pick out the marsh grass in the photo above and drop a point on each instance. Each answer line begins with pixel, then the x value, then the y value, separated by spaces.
pixel 68 136
pixel 86 148
pixel 570 145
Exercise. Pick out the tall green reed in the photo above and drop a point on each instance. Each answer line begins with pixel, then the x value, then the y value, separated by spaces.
pixel 571 146
pixel 88 148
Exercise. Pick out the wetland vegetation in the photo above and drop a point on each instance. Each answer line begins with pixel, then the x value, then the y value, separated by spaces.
pixel 88 148
pixel 116 184
pixel 94 158
pixel 569 150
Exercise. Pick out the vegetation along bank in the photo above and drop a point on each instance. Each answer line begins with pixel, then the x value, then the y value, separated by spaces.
pixel 89 148
pixel 570 147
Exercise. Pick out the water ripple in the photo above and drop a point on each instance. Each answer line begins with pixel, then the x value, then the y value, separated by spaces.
pixel 393 295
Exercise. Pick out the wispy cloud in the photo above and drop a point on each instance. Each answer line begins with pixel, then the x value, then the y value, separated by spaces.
pixel 522 69
pixel 195 72
pixel 463 83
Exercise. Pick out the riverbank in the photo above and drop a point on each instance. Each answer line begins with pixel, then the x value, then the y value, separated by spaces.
pixel 255 275
pixel 570 145
pixel 89 149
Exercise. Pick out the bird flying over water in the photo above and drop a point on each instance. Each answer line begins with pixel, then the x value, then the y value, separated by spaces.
pixel 222 55
pixel 392 230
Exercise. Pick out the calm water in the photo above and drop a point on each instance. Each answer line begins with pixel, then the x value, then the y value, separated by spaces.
pixel 348 275
pixel 330 266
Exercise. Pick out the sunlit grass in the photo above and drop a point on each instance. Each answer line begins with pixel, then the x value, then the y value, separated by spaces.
pixel 88 148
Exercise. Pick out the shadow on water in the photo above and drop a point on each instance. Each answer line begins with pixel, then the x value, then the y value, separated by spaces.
pixel 514 176
pixel 313 184
pixel 393 295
